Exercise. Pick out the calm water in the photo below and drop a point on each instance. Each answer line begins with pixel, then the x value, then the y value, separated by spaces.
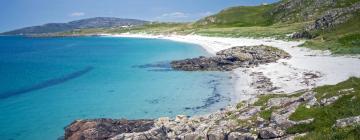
pixel 46 83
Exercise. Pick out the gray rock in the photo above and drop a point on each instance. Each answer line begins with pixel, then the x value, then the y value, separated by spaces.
pixel 218 133
pixel 308 121
pixel 104 128
pixel 261 83
pixel 232 58
pixel 351 121
pixel 278 102
pixel 270 133
pixel 181 118
pixel 333 17
pixel 281 117
pixel 192 136
pixel 249 113
pixel 240 136
pixel 328 19
pixel 303 34
pixel 331 100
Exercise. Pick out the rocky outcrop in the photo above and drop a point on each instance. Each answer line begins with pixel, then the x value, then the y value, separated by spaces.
pixel 299 10
pixel 348 122
pixel 104 128
pixel 328 19
pixel 243 122
pixel 333 17
pixel 303 34
pixel 270 133
pixel 232 58
pixel 231 123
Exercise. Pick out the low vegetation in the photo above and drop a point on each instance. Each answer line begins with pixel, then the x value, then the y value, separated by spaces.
pixel 342 39
pixel 278 20
pixel 325 116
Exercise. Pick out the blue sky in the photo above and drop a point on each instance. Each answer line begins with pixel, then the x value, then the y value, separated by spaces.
pixel 20 13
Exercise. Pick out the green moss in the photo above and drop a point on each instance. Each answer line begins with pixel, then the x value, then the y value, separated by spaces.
pixel 240 105
pixel 332 90
pixel 350 40
pixel 266 114
pixel 341 39
pixel 302 128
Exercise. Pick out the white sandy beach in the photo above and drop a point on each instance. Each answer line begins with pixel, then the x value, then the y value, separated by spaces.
pixel 288 75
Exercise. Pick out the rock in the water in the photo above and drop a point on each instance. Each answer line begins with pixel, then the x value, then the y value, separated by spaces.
pixel 232 58
pixel 348 122
pixel 104 128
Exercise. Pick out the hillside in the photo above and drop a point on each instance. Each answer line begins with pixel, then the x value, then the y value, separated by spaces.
pixel 239 16
pixel 285 11
pixel 324 24
pixel 98 22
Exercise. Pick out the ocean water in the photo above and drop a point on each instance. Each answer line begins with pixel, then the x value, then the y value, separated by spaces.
pixel 46 83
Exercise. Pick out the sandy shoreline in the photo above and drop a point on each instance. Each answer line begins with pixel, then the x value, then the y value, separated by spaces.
pixel 306 69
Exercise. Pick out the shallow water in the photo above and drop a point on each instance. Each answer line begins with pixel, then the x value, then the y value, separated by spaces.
pixel 46 83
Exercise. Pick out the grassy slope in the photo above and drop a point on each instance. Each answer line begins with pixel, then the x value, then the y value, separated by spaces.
pixel 326 116
pixel 243 16
pixel 343 39
pixel 260 21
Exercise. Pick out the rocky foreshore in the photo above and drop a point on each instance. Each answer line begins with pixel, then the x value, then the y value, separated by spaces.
pixel 229 59
pixel 265 117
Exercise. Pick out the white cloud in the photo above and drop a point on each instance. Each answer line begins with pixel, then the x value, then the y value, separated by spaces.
pixel 77 14
pixel 181 16
pixel 173 15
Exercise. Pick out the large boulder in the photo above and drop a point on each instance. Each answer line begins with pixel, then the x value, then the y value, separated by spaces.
pixel 104 128
pixel 270 133
pixel 232 58
pixel 240 136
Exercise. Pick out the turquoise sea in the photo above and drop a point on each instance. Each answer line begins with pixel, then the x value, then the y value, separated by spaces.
pixel 46 83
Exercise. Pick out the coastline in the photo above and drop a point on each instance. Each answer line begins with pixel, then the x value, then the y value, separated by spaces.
pixel 253 117
pixel 306 68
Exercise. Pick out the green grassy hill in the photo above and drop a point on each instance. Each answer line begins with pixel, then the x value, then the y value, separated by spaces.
pixel 242 16
pixel 328 24
pixel 285 11
pixel 325 24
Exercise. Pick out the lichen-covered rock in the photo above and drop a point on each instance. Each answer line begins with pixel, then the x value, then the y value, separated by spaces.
pixel 218 133
pixel 328 19
pixel 104 128
pixel 232 58
pixel 279 102
pixel 329 101
pixel 181 118
pixel 229 123
pixel 333 17
pixel 249 113
pixel 270 133
pixel 240 136
pixel 281 117
pixel 347 121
